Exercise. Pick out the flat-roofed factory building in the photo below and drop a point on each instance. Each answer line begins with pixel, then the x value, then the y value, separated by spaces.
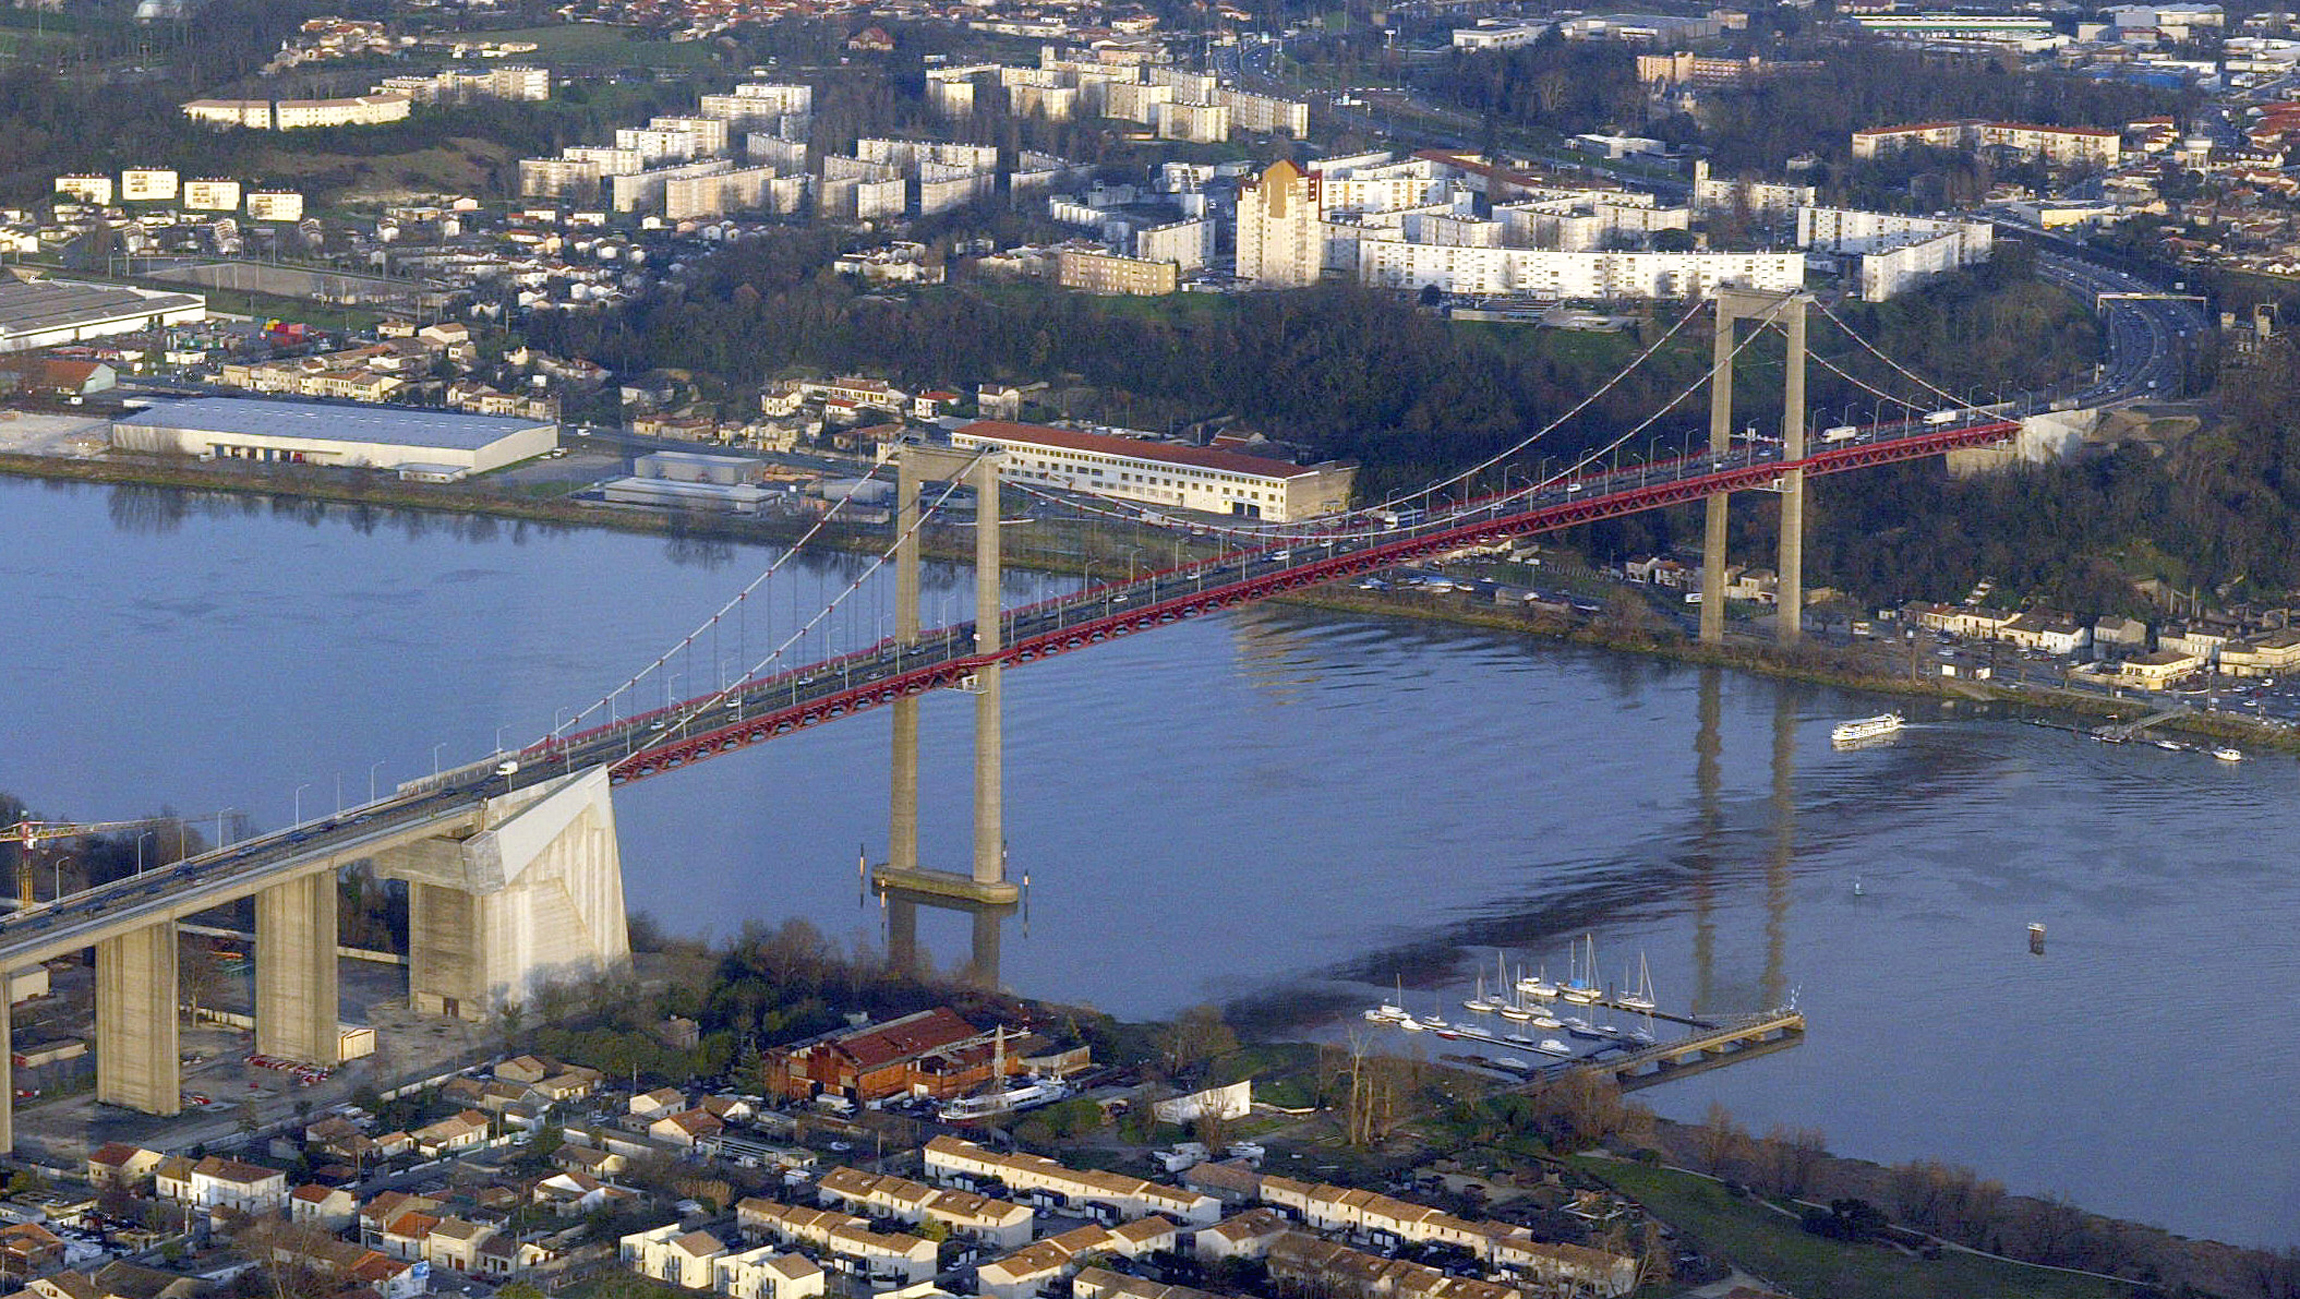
pixel 47 313
pixel 415 441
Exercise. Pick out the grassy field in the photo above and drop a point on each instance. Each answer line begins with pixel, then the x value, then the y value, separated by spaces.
pixel 461 166
pixel 1764 1242
pixel 595 45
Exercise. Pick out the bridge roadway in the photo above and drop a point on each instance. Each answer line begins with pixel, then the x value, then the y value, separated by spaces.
pixel 690 731
pixel 696 729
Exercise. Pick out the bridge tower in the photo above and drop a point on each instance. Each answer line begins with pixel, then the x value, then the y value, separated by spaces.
pixel 1787 310
pixel 985 892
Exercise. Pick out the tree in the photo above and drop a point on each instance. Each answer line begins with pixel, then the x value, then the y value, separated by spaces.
pixel 1719 1140
pixel 1194 1038
pixel 1788 1157
pixel 201 976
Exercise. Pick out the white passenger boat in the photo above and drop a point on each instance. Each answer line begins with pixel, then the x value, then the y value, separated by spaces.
pixel 1866 728
pixel 1551 1046
pixel 2226 754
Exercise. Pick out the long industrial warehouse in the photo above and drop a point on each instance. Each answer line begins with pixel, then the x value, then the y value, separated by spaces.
pixel 406 438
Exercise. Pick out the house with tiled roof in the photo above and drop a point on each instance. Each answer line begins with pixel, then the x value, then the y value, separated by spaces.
pixel 455 1132
pixel 966 1215
pixel 172 1179
pixel 329 1208
pixel 657 1103
pixel 29 1249
pixel 220 1183
pixel 767 1273
pixel 1053 1186
pixel 683 1128
pixel 1030 1270
pixel 117 1163
pixel 452 1245
pixel 673 1255
pixel 1243 1235
pixel 590 1161
pixel 526 1070
pixel 881 1255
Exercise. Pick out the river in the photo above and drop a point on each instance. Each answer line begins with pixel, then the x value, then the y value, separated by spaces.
pixel 1278 803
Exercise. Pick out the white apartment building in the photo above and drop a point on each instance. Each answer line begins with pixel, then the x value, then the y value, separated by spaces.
pixel 1176 477
pixel 464 85
pixel 611 160
pixel 96 190
pixel 149 185
pixel 255 114
pixel 1265 114
pixel 1194 123
pixel 1188 244
pixel 212 195
pixel 782 98
pixel 787 156
pixel 644 190
pixel 710 132
pixel 557 178
pixel 1198 87
pixel 275 205
pixel 357 110
pixel 1394 263
pixel 1894 252
pixel 2061 145
pixel 1281 232
pixel 1758 198
pixel 656 146
pixel 951 1159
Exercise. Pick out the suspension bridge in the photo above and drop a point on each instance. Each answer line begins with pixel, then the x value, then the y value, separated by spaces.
pixel 511 862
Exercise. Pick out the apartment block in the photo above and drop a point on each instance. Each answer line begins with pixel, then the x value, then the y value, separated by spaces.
pixel 1121 1196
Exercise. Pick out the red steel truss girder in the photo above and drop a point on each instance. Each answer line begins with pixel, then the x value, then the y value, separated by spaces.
pixel 948 672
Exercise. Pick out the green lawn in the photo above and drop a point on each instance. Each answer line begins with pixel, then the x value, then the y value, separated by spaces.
pixel 596 45
pixel 1764 1242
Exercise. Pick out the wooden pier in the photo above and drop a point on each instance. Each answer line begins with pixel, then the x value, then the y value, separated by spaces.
pixel 1716 1044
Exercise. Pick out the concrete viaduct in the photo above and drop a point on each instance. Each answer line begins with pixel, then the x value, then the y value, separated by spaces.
pixel 506 891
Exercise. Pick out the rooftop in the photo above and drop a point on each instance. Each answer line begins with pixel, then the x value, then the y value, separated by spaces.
pixel 329 422
pixel 30 306
pixel 1133 448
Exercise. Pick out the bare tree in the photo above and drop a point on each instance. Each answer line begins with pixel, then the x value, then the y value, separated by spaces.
pixel 200 976
pixel 1790 1156
pixel 1196 1037
pixel 1719 1140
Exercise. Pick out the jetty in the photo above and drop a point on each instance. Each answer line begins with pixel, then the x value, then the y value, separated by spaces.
pixel 1718 1043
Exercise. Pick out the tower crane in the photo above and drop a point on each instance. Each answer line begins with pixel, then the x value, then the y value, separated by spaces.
pixel 30 836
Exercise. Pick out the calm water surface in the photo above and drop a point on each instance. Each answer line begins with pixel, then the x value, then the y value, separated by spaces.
pixel 1276 805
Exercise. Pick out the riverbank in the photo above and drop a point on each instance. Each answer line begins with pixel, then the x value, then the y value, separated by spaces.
pixel 1080 554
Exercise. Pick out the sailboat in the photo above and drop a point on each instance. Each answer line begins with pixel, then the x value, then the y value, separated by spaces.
pixel 1579 987
pixel 1434 1022
pixel 1642 998
pixel 1538 987
pixel 1392 1012
pixel 1478 1003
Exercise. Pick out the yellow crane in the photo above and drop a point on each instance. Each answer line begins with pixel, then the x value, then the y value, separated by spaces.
pixel 30 836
